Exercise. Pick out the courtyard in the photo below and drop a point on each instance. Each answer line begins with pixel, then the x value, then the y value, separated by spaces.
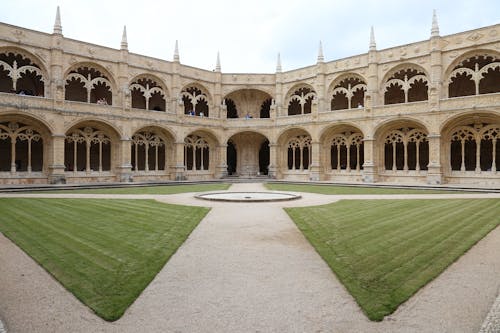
pixel 247 267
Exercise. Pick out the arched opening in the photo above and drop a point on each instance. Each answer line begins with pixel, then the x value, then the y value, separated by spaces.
pixel 232 112
pixel 474 147
pixel 248 103
pixel 87 84
pixel 195 102
pixel 300 102
pixel 406 85
pixel 348 93
pixel 250 156
pixel 475 75
pixel 406 149
pixel 196 153
pixel 232 158
pixel 347 151
pixel 21 148
pixel 87 149
pixel 147 94
pixel 265 108
pixel 19 74
pixel 299 152
pixel 264 158
pixel 149 151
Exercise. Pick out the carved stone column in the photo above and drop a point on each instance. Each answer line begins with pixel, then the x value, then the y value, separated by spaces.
pixel 221 169
pixel 273 160
pixel 179 167
pixel 369 166
pixel 434 169
pixel 125 167
pixel 314 169
pixel 56 160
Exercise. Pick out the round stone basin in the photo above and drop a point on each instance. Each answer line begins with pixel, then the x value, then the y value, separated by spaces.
pixel 248 196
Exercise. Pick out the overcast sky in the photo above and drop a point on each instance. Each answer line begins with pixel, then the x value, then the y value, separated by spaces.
pixel 249 34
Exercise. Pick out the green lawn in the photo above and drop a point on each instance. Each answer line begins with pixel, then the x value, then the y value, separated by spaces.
pixel 160 189
pixel 104 251
pixel 383 251
pixel 337 189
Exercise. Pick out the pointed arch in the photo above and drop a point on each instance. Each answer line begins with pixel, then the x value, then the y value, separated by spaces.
pixel 405 83
pixel 474 73
pixel 300 99
pixel 195 99
pixel 89 82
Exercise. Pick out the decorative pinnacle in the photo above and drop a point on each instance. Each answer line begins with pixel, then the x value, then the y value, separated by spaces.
pixel 176 51
pixel 278 64
pixel 124 44
pixel 435 26
pixel 373 45
pixel 321 58
pixel 217 64
pixel 57 23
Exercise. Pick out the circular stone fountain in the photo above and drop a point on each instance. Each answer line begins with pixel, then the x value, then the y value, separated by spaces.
pixel 248 196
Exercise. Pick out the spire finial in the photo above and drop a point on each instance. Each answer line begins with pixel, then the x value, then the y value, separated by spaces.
pixel 57 23
pixel 124 44
pixel 217 64
pixel 373 45
pixel 176 51
pixel 435 26
pixel 321 58
pixel 278 64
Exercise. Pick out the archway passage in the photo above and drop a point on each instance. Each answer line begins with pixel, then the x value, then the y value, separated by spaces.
pixel 248 154
pixel 264 158
pixel 231 158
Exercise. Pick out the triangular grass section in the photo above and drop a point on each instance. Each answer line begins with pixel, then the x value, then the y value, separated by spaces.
pixel 384 251
pixel 104 251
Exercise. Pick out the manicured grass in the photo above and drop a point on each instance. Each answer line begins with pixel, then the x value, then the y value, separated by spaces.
pixel 337 189
pixel 104 251
pixel 383 251
pixel 160 189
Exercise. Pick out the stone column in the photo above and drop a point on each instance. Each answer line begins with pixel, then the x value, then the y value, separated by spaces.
pixel 56 160
pixel 221 169
pixel 125 166
pixel 434 169
pixel 273 160
pixel 369 166
pixel 314 169
pixel 179 167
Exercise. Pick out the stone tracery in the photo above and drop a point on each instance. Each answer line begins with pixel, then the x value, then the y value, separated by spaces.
pixel 299 152
pixel 406 85
pixel 87 149
pixel 147 94
pixel 142 157
pixel 88 85
pixel 196 153
pixel 406 149
pixel 20 75
pixel 348 93
pixel 301 101
pixel 474 148
pixel 194 100
pixel 346 151
pixel 26 148
pixel 474 76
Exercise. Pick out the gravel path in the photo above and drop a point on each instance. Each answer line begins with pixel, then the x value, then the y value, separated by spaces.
pixel 247 268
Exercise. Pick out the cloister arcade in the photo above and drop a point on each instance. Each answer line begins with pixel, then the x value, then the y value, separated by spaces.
pixel 420 118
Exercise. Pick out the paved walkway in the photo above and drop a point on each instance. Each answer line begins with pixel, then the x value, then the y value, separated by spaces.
pixel 247 268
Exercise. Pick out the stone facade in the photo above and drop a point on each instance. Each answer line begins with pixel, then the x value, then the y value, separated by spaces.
pixel 426 112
